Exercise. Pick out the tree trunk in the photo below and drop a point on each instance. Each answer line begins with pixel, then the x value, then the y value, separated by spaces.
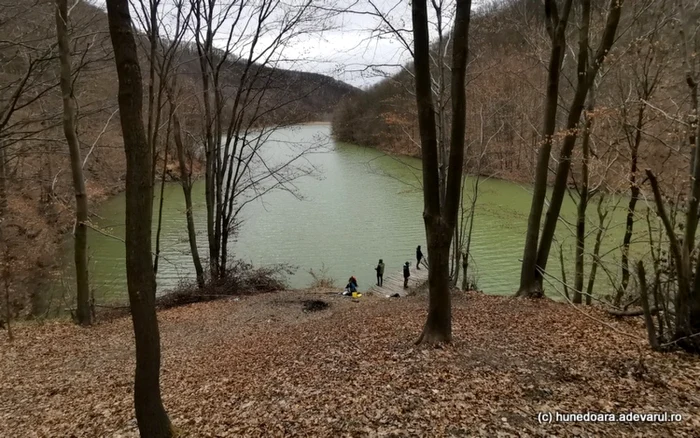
pixel 159 226
pixel 438 326
pixel 686 325
pixel 454 260
pixel 440 218
pixel 465 261
pixel 563 271
pixel 580 245
pixel 586 77
pixel 153 421
pixel 4 246
pixel 80 252
pixel 583 200
pixel 530 283
pixel 6 287
pixel 203 51
pixel 186 182
pixel 631 206
pixel 596 250
pixel 648 320
pixel 690 310
pixel 465 268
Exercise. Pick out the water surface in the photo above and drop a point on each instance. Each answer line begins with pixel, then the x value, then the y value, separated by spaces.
pixel 360 205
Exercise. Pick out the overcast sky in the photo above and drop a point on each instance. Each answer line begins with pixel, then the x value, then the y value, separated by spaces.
pixel 357 46
pixel 361 49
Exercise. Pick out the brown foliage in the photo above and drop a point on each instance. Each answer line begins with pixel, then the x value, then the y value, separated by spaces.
pixel 262 366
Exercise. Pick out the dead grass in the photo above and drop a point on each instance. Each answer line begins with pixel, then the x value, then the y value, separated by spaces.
pixel 263 366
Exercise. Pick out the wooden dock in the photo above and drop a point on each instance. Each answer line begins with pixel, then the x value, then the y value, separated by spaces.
pixel 393 283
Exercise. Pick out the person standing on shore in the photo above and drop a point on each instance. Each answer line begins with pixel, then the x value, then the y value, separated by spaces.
pixel 419 257
pixel 380 273
pixel 406 274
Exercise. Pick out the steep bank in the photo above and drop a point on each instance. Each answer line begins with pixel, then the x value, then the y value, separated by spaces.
pixel 269 366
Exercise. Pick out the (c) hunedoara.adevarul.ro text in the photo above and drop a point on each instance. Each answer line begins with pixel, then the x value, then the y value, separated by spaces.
pixel 607 417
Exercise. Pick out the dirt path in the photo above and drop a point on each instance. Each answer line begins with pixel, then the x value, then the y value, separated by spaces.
pixel 263 366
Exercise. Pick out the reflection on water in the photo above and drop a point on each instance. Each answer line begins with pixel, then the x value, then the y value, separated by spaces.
pixel 361 206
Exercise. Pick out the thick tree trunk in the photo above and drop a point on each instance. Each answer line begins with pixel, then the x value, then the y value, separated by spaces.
pixel 153 421
pixel 586 78
pixel 440 218
pixel 438 326
pixel 530 282
pixel 80 252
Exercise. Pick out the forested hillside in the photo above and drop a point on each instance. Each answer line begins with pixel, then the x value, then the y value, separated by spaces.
pixel 638 108
pixel 36 187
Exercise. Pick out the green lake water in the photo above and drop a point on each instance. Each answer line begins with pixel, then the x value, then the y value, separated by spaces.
pixel 361 206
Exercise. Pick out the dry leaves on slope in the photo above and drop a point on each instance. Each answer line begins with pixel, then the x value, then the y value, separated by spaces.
pixel 263 366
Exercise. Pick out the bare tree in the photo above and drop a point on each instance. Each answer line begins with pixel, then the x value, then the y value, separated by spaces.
pixel 535 256
pixel 27 52
pixel 238 121
pixel 151 416
pixel 647 69
pixel 83 314
pixel 165 26
pixel 186 182
pixel 556 28
pixel 440 218
pixel 164 29
pixel 584 196
pixel 465 227
pixel 683 246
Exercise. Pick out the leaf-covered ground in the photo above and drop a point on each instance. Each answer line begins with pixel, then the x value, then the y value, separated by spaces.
pixel 263 366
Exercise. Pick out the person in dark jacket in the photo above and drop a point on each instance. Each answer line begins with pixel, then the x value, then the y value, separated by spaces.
pixel 351 286
pixel 406 274
pixel 380 273
pixel 419 257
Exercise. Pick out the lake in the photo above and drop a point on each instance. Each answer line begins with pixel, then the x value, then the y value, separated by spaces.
pixel 360 206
